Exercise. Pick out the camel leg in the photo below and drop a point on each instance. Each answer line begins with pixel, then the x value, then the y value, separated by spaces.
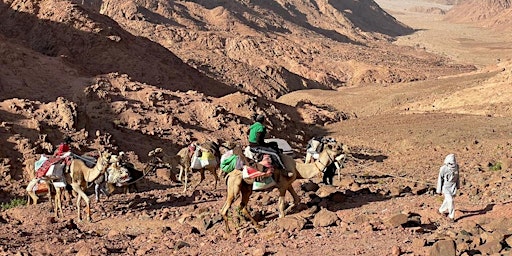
pixel 181 173
pixel 186 179
pixel 58 203
pixel 81 195
pixel 282 193
pixel 227 205
pixel 31 194
pixel 34 197
pixel 215 175
pixel 233 189
pixel 296 198
pixel 201 171
pixel 246 194
pixel 49 185
pixel 60 194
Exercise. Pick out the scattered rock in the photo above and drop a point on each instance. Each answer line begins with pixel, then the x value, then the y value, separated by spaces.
pixel 443 248
pixel 325 218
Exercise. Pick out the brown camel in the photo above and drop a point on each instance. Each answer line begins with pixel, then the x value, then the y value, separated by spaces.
pixel 183 159
pixel 80 174
pixel 236 184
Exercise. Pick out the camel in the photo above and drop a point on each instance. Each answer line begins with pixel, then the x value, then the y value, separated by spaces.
pixel 30 175
pixel 236 184
pixel 80 174
pixel 134 174
pixel 54 192
pixel 183 160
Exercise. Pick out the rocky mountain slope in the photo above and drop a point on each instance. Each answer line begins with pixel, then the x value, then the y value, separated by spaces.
pixel 166 73
pixel 270 48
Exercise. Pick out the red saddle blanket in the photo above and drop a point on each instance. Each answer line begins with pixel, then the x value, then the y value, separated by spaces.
pixel 252 173
pixel 41 172
pixel 262 169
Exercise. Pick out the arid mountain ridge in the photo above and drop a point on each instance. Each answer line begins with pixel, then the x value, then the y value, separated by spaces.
pixel 495 14
pixel 97 58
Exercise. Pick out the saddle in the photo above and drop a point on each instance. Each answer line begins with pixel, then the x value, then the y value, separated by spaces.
pixel 46 166
pixel 258 154
pixel 260 174
pixel 259 180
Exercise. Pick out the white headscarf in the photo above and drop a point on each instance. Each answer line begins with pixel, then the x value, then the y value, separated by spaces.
pixel 453 168
pixel 450 161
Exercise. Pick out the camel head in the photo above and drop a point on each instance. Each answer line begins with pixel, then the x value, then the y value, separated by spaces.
pixel 104 159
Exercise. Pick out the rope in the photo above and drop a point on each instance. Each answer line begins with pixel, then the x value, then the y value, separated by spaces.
pixel 144 174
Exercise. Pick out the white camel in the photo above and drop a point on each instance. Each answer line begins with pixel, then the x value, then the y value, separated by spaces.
pixel 49 182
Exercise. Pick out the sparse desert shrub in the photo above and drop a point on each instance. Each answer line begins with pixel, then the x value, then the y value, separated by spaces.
pixel 13 203
pixel 495 167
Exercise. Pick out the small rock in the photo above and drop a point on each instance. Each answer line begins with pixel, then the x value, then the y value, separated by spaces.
pixel 259 251
pixel 112 234
pixel 396 251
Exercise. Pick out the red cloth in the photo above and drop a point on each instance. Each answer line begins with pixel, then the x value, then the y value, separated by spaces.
pixel 191 150
pixel 63 148
pixel 253 173
pixel 46 166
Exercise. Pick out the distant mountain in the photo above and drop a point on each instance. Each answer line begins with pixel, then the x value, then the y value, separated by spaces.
pixel 496 14
pixel 77 43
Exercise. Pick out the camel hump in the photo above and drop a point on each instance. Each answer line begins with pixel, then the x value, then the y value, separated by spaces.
pixel 289 162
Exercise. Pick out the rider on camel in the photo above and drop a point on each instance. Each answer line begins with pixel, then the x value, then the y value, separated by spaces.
pixel 63 147
pixel 257 133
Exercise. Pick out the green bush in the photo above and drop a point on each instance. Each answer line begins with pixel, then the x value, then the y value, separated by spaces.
pixel 13 203
pixel 495 167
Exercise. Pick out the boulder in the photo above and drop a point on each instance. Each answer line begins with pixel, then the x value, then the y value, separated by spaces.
pixel 325 218
pixel 291 223
pixel 397 220
pixel 443 248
